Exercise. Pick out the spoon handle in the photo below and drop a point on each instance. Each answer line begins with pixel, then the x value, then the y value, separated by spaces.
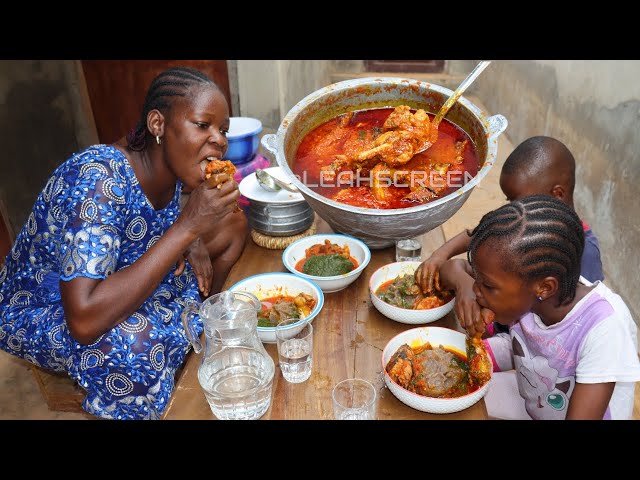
pixel 461 88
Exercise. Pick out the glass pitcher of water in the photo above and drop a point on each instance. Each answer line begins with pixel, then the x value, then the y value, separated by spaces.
pixel 236 372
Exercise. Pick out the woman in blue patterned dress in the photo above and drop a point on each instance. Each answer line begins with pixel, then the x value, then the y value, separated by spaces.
pixel 91 286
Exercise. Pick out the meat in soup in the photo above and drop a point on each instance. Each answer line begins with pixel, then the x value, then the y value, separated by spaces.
pixel 346 159
pixel 403 292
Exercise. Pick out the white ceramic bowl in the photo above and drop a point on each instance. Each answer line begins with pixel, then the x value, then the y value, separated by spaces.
pixel 268 285
pixel 358 249
pixel 403 315
pixel 436 336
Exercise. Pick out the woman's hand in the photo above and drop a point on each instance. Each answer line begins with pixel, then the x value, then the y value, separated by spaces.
pixel 207 206
pixel 428 273
pixel 198 256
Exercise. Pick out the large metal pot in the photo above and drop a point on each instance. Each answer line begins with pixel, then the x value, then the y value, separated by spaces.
pixel 380 228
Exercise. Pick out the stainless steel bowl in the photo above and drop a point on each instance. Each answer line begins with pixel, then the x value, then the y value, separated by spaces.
pixel 380 228
pixel 280 220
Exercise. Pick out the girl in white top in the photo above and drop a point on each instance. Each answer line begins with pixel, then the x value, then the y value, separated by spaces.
pixel 571 349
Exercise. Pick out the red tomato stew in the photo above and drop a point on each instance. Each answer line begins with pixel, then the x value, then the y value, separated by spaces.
pixel 326 161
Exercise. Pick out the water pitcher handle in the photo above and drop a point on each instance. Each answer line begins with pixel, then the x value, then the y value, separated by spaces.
pixel 189 311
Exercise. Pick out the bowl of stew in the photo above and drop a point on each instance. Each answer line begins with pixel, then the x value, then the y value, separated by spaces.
pixel 331 261
pixel 394 294
pixel 451 390
pixel 282 295
pixel 313 135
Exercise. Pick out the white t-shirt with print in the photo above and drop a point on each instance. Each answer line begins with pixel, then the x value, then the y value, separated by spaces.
pixel 596 342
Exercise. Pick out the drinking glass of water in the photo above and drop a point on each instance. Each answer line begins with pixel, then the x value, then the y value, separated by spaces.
pixel 354 399
pixel 295 349
pixel 408 249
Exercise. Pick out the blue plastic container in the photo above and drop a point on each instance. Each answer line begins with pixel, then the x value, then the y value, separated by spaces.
pixel 243 138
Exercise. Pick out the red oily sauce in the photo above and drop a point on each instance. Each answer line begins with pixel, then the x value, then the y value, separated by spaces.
pixel 353 182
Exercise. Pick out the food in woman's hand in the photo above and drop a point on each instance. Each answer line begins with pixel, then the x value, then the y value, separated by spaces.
pixel 403 292
pixel 327 260
pixel 216 169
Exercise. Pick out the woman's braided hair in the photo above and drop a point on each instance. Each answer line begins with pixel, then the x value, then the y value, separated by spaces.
pixel 174 82
pixel 544 236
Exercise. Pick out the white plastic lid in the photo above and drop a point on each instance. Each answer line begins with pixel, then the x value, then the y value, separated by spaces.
pixel 243 126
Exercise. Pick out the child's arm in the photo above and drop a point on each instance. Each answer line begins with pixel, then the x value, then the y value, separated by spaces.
pixel 456 274
pixel 589 401
pixel 428 273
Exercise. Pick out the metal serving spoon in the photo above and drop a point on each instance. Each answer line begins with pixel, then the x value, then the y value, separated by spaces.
pixel 455 96
pixel 271 183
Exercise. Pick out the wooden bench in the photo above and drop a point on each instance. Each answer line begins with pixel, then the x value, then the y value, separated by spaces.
pixel 60 392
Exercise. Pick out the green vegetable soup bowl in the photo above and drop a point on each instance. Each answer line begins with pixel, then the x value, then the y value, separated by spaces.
pixel 331 272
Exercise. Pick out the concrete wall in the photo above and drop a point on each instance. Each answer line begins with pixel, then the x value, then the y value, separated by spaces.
pixel 43 120
pixel 593 107
pixel 269 88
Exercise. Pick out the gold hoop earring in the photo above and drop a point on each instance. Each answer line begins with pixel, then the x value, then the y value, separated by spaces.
pixel 158 139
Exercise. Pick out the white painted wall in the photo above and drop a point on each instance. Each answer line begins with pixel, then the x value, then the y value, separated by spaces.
pixel 269 88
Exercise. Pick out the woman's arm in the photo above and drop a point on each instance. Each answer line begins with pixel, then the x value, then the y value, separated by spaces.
pixel 93 307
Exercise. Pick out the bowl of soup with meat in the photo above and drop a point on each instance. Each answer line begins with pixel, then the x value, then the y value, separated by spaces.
pixel 282 295
pixel 395 295
pixel 356 151
pixel 429 369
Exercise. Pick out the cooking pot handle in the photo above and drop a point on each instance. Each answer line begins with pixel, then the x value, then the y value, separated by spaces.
pixel 269 142
pixel 497 125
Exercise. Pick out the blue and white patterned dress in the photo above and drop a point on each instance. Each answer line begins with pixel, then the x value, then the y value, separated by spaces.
pixel 90 220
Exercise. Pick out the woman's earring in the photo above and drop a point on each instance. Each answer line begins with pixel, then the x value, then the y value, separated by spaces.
pixel 539 298
pixel 158 139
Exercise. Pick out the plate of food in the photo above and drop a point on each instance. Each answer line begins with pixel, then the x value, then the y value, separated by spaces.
pixel 395 294
pixel 436 370
pixel 332 261
pixel 282 295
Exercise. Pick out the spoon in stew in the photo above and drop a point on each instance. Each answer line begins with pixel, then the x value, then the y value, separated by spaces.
pixel 453 99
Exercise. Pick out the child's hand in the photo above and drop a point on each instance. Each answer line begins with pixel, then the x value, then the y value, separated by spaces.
pixel 472 317
pixel 428 273
pixel 198 257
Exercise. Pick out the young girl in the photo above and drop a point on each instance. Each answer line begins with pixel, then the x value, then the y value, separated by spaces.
pixel 571 347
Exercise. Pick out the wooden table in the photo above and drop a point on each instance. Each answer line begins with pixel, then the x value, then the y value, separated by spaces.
pixel 349 336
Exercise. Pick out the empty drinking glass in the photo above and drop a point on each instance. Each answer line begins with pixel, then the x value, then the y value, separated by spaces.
pixel 354 399
pixel 295 349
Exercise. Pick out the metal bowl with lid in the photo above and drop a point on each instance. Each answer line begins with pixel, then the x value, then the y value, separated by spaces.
pixel 276 214
pixel 376 227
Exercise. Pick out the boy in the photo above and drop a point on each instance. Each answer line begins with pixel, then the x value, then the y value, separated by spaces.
pixel 539 165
